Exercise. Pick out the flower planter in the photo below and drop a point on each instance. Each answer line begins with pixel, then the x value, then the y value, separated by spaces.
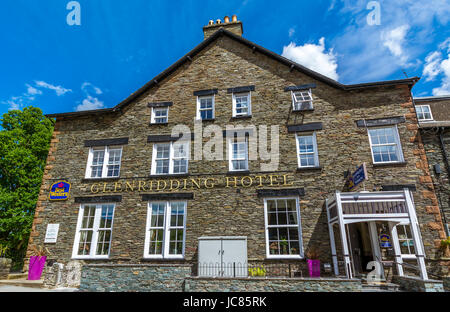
pixel 36 267
pixel 314 267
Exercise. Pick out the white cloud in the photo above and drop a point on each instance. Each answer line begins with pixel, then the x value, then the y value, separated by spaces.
pixel 90 103
pixel 314 57
pixel 58 89
pixel 444 89
pixel 32 91
pixel 432 65
pixel 87 85
pixel 394 40
pixel 291 32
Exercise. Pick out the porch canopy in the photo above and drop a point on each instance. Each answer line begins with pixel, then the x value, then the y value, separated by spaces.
pixel 394 207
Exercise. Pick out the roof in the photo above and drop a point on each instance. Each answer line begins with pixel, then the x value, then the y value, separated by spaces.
pixel 432 98
pixel 222 32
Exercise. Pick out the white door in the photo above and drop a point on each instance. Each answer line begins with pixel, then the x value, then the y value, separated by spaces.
pixel 234 257
pixel 209 257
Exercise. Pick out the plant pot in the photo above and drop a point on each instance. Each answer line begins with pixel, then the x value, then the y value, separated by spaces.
pixel 313 267
pixel 36 267
pixel 5 266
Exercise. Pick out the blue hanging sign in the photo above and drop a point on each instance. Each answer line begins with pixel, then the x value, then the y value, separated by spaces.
pixel 59 190
pixel 355 178
pixel 385 241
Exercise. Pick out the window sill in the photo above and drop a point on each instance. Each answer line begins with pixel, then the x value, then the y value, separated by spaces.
pixel 240 172
pixel 99 179
pixel 300 169
pixel 169 175
pixel 392 164
pixel 303 110
pixel 160 124
pixel 241 117
pixel 284 257
pixel 207 120
pixel 91 259
pixel 163 259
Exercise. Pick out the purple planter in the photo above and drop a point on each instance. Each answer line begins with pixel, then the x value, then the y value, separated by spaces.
pixel 36 267
pixel 314 268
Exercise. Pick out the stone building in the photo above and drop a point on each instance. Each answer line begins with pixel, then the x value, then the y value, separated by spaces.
pixel 433 114
pixel 130 195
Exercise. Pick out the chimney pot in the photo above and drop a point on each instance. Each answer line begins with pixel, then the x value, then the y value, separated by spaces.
pixel 226 19
pixel 218 21
pixel 234 18
pixel 211 22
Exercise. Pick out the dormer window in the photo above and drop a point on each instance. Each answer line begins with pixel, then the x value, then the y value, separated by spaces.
pixel 241 104
pixel 424 112
pixel 302 100
pixel 160 115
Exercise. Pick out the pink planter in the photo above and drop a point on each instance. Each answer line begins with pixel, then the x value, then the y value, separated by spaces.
pixel 36 267
pixel 314 267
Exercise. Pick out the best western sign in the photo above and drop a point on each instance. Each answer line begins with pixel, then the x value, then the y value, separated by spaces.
pixel 357 177
pixel 271 180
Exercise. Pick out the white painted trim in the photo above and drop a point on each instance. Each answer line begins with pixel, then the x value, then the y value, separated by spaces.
pixel 299 224
pixel 315 152
pixel 230 153
pixel 397 143
pixel 425 119
pixel 152 118
pixel 166 229
pixel 95 226
pixel 106 150
pixel 198 115
pixel 171 157
pixel 249 110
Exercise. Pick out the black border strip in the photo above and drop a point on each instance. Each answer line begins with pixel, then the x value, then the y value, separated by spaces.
pixel 164 196
pixel 105 142
pixel 281 192
pixel 99 199
pixel 361 123
pixel 165 138
pixel 160 104
pixel 398 187
pixel 300 87
pixel 241 89
pixel 305 127
pixel 206 92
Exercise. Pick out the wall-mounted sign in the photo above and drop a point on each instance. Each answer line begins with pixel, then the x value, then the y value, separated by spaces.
pixel 355 178
pixel 59 191
pixel 51 234
pixel 263 180
pixel 385 241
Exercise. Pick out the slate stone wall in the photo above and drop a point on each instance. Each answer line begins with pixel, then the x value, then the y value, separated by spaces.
pixel 417 285
pixel 235 211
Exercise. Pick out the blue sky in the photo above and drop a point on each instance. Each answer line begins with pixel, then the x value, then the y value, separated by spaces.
pixel 120 45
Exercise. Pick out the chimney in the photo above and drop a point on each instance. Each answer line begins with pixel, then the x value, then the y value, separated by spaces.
pixel 233 26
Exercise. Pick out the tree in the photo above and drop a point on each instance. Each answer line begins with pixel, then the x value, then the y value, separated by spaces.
pixel 24 143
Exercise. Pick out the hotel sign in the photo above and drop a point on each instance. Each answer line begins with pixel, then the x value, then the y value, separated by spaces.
pixel 59 190
pixel 360 175
pixel 271 180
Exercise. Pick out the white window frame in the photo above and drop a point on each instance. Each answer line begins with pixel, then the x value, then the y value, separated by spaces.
pixel 421 108
pixel 106 149
pixel 397 142
pixel 166 231
pixel 95 230
pixel 315 152
pixel 405 256
pixel 299 224
pixel 153 118
pixel 249 109
pixel 171 158
pixel 296 101
pixel 199 115
pixel 231 141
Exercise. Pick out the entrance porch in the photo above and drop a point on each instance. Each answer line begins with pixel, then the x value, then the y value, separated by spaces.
pixel 357 218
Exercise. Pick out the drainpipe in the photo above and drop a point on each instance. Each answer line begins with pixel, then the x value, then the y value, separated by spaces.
pixel 444 152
